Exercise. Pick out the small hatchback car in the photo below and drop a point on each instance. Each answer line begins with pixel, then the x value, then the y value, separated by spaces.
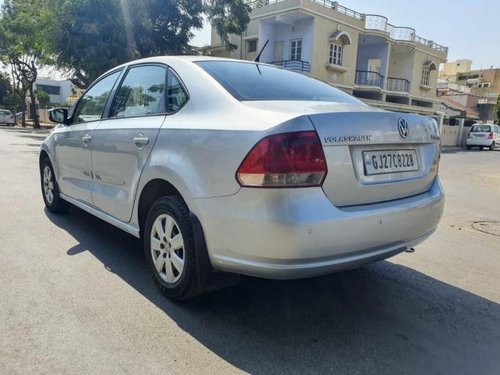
pixel 6 117
pixel 484 135
pixel 227 167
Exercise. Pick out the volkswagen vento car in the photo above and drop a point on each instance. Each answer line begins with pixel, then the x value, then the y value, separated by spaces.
pixel 227 168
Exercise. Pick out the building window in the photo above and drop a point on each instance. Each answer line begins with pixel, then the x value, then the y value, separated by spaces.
pixel 50 90
pixel 336 52
pixel 426 77
pixel 296 50
pixel 252 45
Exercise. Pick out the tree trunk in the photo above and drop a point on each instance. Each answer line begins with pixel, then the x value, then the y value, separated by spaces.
pixel 33 111
pixel 22 107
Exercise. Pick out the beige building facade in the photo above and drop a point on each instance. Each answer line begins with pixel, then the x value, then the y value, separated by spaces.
pixel 363 54
pixel 483 84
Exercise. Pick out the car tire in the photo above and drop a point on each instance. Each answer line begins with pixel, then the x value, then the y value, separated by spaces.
pixel 492 146
pixel 171 259
pixel 50 189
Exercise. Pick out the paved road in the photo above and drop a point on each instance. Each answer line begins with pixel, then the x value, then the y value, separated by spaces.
pixel 75 296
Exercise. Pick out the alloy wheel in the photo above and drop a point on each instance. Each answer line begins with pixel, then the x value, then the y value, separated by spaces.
pixel 48 184
pixel 167 248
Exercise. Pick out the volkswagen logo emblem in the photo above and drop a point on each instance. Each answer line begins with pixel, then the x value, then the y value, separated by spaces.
pixel 404 129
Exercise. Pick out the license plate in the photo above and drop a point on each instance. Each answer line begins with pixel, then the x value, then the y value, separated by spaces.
pixel 393 161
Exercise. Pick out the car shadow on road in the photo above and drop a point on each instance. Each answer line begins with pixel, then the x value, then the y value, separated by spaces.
pixel 384 318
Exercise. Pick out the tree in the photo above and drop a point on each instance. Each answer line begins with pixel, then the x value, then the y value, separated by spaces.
pixel 43 98
pixel 5 88
pixel 24 46
pixel 228 17
pixel 93 36
pixel 496 110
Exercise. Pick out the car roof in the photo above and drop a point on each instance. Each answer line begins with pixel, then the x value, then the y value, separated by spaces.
pixel 186 59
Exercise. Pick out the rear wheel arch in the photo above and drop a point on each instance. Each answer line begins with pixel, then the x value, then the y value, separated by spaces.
pixel 151 192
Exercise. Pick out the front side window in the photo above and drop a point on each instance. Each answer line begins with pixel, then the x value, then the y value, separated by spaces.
pixel 296 50
pixel 252 81
pixel 336 52
pixel 91 105
pixel 141 93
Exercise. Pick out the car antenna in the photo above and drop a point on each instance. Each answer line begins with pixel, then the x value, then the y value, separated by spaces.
pixel 257 59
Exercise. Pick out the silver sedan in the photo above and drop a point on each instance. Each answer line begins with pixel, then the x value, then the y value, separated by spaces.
pixel 227 167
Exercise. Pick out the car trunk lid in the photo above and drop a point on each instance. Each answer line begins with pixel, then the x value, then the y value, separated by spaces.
pixel 376 156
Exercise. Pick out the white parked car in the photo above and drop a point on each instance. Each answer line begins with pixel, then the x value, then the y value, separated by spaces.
pixel 226 167
pixel 6 117
pixel 484 135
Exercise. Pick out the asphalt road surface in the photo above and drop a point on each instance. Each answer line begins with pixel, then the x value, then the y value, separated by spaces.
pixel 75 296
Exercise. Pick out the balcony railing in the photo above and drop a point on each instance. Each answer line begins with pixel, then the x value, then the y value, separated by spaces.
pixel 297 65
pixel 398 84
pixel 366 78
pixel 327 3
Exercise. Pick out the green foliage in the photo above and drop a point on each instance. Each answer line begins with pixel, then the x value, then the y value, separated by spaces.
pixel 24 35
pixel 496 110
pixel 85 38
pixel 43 98
pixel 95 35
pixel 228 17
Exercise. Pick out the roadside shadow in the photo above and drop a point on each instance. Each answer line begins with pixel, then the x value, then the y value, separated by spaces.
pixel 465 151
pixel 384 318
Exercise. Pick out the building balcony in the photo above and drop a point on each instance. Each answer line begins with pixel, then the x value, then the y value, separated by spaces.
pixel 398 84
pixel 367 78
pixel 372 22
pixel 403 34
pixel 296 65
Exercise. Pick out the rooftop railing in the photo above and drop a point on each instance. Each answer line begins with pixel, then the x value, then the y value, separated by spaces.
pixel 372 22
pixel 327 3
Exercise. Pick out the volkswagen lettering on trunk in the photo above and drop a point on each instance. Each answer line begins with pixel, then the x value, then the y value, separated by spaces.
pixel 227 168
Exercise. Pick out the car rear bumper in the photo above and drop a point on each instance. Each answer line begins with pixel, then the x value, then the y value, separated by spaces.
pixel 479 142
pixel 297 233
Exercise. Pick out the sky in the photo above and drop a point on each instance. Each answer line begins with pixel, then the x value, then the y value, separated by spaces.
pixel 470 28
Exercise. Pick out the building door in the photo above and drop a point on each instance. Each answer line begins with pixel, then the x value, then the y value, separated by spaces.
pixel 278 51
pixel 374 65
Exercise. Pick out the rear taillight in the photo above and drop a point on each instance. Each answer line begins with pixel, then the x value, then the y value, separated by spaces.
pixel 490 136
pixel 284 160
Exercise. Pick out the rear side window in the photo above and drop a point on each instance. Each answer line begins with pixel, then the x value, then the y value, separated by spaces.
pixel 142 92
pixel 4 112
pixel 481 129
pixel 176 94
pixel 252 81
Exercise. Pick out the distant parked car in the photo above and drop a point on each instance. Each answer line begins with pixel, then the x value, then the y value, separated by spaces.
pixel 6 117
pixel 228 166
pixel 484 135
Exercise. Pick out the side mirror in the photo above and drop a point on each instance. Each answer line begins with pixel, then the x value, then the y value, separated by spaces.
pixel 59 115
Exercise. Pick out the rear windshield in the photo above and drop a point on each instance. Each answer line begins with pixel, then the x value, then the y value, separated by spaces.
pixel 481 129
pixel 252 81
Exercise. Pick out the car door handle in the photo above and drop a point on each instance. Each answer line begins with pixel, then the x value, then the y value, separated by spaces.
pixel 86 139
pixel 141 140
